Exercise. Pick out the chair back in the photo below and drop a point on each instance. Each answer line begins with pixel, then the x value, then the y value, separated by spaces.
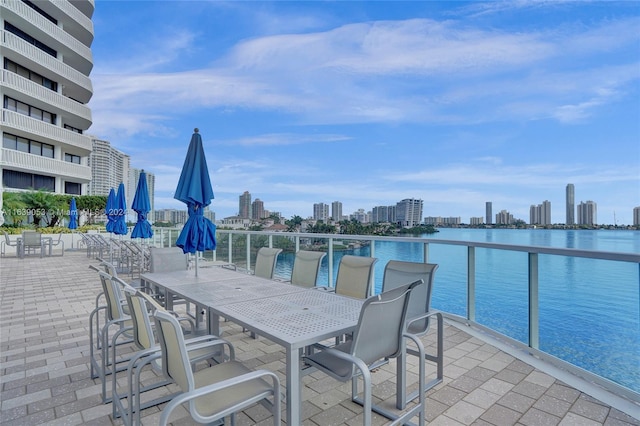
pixel 306 267
pixel 143 336
pixel 175 362
pixel 109 268
pixel 398 273
pixel 6 238
pixel 31 238
pixel 113 297
pixel 167 259
pixel 266 259
pixel 355 274
pixel 382 324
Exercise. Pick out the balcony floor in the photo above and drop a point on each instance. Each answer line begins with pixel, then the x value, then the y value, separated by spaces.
pixel 45 378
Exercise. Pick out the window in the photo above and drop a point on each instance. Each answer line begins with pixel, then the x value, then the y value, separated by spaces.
pixel 20 180
pixel 73 129
pixel 18 143
pixel 72 158
pixel 72 188
pixel 33 112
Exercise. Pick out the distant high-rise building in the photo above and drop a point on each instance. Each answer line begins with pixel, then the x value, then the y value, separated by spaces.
pixel 109 167
pixel 321 212
pixel 488 213
pixel 244 209
pixel 336 211
pixel 45 88
pixel 476 220
pixel 636 216
pixel 504 218
pixel 409 212
pixel 587 213
pixel 540 214
pixel 571 203
pixel 257 209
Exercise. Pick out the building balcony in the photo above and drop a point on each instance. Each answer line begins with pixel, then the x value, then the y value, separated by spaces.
pixel 25 126
pixel 77 23
pixel 75 114
pixel 25 162
pixel 76 84
pixel 73 52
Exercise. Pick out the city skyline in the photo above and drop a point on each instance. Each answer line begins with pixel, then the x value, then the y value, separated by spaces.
pixel 454 103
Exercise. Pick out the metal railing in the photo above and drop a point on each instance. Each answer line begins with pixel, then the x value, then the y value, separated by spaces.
pixel 239 247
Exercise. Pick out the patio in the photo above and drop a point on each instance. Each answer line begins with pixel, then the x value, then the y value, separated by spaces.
pixel 44 370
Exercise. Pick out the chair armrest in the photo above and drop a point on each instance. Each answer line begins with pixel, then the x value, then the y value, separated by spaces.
pixel 325 288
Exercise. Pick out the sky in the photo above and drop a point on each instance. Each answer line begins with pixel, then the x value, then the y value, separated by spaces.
pixel 368 103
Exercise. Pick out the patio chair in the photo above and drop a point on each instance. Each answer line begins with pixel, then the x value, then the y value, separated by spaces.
pixel 217 391
pixel 306 267
pixel 167 259
pixel 419 313
pixel 380 334
pixel 8 243
pixel 31 241
pixel 58 242
pixel 141 306
pixel 102 337
pixel 355 276
pixel 266 259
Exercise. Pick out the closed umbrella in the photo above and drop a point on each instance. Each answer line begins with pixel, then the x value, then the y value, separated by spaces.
pixel 142 206
pixel 73 214
pixel 110 209
pixel 120 212
pixel 194 189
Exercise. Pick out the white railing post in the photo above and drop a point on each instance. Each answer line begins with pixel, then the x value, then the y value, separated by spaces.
pixel 330 262
pixel 534 308
pixel 471 283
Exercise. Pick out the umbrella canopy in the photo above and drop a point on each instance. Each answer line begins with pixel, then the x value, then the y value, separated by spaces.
pixel 142 206
pixel 120 212
pixel 194 189
pixel 109 210
pixel 73 214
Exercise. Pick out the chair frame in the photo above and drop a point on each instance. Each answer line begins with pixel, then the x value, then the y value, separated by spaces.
pixel 363 352
pixel 190 394
pixel 149 353
pixel 7 243
pixel 419 314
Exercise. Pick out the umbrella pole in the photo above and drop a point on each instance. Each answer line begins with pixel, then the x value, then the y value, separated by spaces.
pixel 196 263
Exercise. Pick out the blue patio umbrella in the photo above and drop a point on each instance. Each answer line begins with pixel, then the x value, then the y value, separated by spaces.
pixel 109 209
pixel 73 214
pixel 194 189
pixel 120 212
pixel 142 206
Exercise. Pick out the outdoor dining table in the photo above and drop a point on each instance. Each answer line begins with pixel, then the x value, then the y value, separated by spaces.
pixel 291 316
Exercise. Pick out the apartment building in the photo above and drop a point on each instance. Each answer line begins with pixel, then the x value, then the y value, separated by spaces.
pixel 45 49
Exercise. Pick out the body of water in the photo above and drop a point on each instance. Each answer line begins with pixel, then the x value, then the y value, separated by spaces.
pixel 589 309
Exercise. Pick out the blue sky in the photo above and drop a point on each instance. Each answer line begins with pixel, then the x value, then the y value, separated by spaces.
pixel 368 103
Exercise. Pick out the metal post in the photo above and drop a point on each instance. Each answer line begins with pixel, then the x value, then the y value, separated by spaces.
pixel 471 283
pixel 534 308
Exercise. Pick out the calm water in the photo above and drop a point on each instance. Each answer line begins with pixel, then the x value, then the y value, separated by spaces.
pixel 589 309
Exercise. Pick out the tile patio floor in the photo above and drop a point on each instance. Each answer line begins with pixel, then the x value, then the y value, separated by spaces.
pixel 44 371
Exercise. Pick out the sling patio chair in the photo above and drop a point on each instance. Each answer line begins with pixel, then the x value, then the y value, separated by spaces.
pixel 419 313
pixel 380 334
pixel 306 267
pixel 266 259
pixel 128 406
pixel 355 276
pixel 31 241
pixel 217 391
pixel 8 243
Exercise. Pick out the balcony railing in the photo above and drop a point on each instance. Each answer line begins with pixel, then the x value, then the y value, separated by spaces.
pixel 41 93
pixel 77 17
pixel 67 74
pixel 56 33
pixel 48 166
pixel 239 247
pixel 45 132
